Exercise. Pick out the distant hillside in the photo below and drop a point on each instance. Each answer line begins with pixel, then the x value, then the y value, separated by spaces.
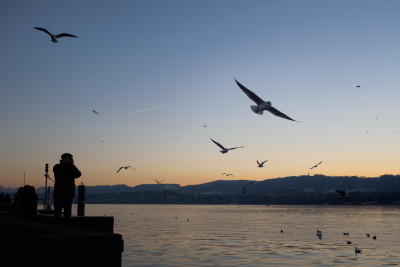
pixel 296 189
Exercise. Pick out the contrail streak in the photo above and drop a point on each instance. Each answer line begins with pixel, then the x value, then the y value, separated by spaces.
pixel 143 110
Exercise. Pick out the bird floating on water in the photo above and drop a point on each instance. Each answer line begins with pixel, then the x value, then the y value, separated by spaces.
pixel 225 150
pixel 344 233
pixel 245 186
pixel 356 250
pixel 316 165
pixel 348 242
pixel 374 237
pixel 368 235
pixel 125 167
pixel 260 165
pixel 261 104
pixel 54 37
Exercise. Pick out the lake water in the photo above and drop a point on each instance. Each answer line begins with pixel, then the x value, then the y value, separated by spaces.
pixel 230 235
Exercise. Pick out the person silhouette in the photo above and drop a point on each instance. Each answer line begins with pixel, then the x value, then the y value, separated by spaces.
pixel 65 174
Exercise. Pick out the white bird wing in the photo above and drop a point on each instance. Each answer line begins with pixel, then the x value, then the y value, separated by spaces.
pixel 218 144
pixel 279 114
pixel 250 94
pixel 43 30
pixel 65 35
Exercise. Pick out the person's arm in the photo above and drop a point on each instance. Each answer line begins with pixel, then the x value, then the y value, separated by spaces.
pixel 75 172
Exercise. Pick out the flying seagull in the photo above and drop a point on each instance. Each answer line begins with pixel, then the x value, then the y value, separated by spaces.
pixel 261 104
pixel 260 165
pixel 225 150
pixel 315 166
pixel 158 182
pixel 54 37
pixel 342 194
pixel 94 111
pixel 245 186
pixel 125 167
pixel 227 174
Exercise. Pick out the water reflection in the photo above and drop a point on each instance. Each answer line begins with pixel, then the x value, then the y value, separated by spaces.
pixel 161 235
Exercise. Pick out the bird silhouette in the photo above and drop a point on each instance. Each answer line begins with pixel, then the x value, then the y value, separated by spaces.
pixel 342 194
pixel 356 250
pixel 227 174
pixel 358 86
pixel 125 167
pixel 260 165
pixel 158 182
pixel 261 104
pixel 94 111
pixel 54 37
pixel 225 150
pixel 315 166
pixel 348 242
pixel 245 187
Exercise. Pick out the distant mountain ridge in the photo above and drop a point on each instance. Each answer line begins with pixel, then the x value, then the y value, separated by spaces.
pixel 309 184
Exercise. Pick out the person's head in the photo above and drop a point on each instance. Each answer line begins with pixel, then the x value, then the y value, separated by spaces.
pixel 67 158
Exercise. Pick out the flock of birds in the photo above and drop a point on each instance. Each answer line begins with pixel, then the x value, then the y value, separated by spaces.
pixel 259 108
pixel 356 249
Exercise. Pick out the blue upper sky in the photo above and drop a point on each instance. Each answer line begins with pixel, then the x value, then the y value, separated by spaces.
pixel 306 57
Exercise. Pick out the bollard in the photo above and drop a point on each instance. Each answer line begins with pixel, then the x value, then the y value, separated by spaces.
pixel 81 200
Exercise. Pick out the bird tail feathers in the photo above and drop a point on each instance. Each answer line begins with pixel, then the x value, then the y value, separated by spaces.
pixel 256 110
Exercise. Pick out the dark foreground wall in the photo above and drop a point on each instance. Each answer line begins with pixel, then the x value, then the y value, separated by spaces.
pixel 43 242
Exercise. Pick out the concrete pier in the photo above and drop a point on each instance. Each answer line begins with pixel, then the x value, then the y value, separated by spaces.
pixel 47 241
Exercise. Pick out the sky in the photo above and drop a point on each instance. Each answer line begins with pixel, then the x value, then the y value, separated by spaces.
pixel 177 60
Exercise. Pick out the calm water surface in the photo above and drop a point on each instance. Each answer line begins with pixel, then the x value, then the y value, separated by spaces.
pixel 230 235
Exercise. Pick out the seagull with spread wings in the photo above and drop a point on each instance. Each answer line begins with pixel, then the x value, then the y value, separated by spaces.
pixel 260 165
pixel 261 104
pixel 315 166
pixel 158 182
pixel 54 37
pixel 245 187
pixel 225 150
pixel 342 193
pixel 125 167
pixel 227 174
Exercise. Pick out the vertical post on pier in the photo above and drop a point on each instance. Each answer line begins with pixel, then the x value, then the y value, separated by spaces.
pixel 81 200
pixel 45 207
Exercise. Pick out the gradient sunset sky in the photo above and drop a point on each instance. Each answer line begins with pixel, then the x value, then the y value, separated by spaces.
pixel 306 57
